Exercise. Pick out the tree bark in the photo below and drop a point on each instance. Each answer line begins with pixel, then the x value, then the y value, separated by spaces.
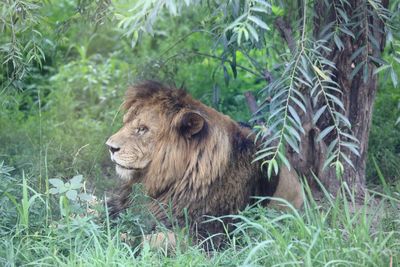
pixel 358 98
pixel 358 95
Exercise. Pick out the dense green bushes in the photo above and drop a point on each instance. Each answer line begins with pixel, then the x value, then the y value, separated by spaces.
pixel 384 142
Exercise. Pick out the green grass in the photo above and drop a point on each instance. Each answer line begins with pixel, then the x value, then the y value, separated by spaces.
pixel 53 229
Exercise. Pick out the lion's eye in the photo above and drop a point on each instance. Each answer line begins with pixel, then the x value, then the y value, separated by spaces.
pixel 141 130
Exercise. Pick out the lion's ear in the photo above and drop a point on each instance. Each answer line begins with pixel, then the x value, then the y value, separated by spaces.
pixel 191 123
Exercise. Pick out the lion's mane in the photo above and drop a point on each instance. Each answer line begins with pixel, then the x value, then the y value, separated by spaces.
pixel 209 173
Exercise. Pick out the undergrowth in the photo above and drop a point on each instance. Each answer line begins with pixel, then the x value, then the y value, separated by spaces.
pixel 65 226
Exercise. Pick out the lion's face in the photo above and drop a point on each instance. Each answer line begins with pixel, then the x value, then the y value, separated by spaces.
pixel 131 148
pixel 146 129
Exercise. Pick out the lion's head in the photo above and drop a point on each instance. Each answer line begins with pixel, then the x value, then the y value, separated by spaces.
pixel 167 132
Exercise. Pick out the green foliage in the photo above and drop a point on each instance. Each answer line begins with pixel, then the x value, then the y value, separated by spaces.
pixel 384 141
pixel 61 129
pixel 336 232
pixel 21 40
pixel 69 189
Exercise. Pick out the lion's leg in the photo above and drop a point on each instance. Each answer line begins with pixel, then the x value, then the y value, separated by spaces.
pixel 165 240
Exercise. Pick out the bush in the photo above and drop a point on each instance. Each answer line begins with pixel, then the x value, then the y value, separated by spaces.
pixel 384 140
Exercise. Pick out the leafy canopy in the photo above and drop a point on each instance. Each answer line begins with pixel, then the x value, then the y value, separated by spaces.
pixel 305 80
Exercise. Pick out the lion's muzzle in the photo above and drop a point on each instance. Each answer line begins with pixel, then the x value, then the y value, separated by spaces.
pixel 112 147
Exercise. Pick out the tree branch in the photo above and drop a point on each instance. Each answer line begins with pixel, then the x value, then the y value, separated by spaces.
pixel 251 102
pixel 286 33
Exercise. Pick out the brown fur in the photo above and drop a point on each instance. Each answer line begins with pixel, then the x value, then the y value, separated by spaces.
pixel 190 157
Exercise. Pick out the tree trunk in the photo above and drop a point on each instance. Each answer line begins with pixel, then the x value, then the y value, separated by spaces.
pixel 358 97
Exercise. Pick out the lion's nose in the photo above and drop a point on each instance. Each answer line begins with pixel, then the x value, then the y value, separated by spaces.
pixel 112 147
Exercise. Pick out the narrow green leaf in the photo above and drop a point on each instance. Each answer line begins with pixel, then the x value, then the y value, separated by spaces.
pixel 292 143
pixel 345 30
pixel 259 9
pixel 356 70
pixel 339 169
pixel 347 159
pixel 338 42
pixel 318 114
pixel 301 105
pixel 276 166
pixel 258 22
pixel 252 31
pixel 332 146
pixel 352 148
pixel 320 72
pixel 343 14
pixel 381 68
pixel 294 114
pixel 293 133
pixel 263 2
pixel 351 137
pixel 325 132
pixel 374 42
pixel 298 127
pixel 239 36
pixel 269 169
pixel 328 161
pixel 335 100
pixel 357 53
pixel 236 22
pixel 263 156
pixel 246 34
pixel 284 160
pixel 343 119
pixel 393 76
pixel 397 59
pixel 226 75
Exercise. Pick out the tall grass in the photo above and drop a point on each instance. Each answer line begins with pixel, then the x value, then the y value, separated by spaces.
pixel 337 232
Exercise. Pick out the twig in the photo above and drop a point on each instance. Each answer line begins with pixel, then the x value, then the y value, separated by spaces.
pixel 286 33
pixel 251 102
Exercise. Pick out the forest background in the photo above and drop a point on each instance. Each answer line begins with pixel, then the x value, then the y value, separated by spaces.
pixel 65 67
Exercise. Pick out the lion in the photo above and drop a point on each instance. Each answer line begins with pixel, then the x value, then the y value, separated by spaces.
pixel 192 160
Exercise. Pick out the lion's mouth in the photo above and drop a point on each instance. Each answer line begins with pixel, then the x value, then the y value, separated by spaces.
pixel 127 168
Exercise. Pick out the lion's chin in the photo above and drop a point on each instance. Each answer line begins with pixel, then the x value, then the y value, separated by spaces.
pixel 124 173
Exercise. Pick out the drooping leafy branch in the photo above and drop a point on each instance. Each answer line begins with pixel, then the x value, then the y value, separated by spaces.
pixel 143 15
pixel 21 41
pixel 17 18
pixel 308 73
